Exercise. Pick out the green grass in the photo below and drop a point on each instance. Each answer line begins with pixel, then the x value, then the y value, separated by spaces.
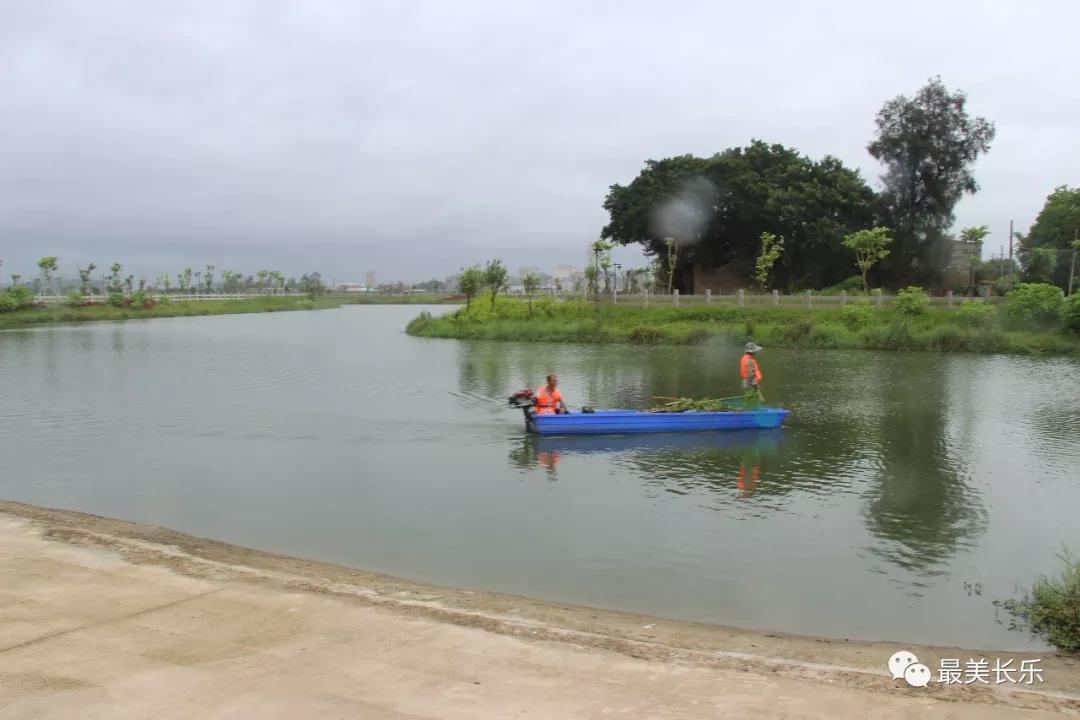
pixel 63 314
pixel 859 327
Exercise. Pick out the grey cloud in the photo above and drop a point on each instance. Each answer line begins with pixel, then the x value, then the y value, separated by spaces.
pixel 411 138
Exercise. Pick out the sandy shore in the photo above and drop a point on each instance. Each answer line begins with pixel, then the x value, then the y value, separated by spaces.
pixel 102 618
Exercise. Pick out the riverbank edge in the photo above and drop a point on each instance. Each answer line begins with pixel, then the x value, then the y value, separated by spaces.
pixel 63 315
pixel 937 331
pixel 857 665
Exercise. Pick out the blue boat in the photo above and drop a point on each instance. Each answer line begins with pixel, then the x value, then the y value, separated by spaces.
pixel 760 440
pixel 603 422
pixel 635 421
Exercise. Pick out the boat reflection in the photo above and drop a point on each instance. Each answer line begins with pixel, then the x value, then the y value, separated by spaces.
pixel 693 458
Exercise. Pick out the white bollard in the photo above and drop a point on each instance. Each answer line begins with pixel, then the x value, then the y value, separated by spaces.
pixel 843 298
pixel 742 297
pixel 808 301
pixel 708 295
pixel 675 297
pixel 776 298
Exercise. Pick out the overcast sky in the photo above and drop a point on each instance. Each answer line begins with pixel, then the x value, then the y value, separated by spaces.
pixel 413 138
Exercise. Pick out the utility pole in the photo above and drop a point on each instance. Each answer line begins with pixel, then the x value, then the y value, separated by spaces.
pixel 596 281
pixel 1072 263
pixel 1010 241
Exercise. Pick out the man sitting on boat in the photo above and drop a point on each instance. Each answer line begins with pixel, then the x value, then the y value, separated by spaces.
pixel 750 370
pixel 549 400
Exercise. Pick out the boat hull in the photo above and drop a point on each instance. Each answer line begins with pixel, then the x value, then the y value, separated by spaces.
pixel 606 422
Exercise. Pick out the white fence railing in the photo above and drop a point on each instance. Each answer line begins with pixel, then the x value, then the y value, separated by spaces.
pixel 807 299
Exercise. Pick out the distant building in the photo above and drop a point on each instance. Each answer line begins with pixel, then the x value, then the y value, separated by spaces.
pixel 369 281
pixel 958 272
pixel 564 272
pixel 352 288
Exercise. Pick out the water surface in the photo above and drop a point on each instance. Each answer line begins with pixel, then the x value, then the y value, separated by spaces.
pixel 905 493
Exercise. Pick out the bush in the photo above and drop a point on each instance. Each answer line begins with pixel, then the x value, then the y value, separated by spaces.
pixel 1052 608
pixel 1072 313
pixel 418 323
pixel 16 298
pixel 116 299
pixel 975 314
pixel 857 316
pixel 852 285
pixel 74 299
pixel 1039 304
pixel 798 329
pixel 893 336
pixel 911 301
pixel 544 307
pixel 142 300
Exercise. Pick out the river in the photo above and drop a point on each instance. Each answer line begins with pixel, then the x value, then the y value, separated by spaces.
pixel 905 493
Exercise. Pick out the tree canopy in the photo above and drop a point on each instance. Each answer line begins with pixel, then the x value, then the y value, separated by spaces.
pixel 1054 231
pixel 928 145
pixel 717 208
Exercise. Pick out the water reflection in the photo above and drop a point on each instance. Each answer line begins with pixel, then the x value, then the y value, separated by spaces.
pixel 681 463
pixel 922 507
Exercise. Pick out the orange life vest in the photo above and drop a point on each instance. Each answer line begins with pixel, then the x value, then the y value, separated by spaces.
pixel 546 402
pixel 748 366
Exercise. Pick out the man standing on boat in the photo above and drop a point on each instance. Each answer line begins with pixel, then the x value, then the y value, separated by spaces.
pixel 750 370
pixel 549 400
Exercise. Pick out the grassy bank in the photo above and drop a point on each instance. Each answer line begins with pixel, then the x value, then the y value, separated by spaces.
pixel 971 328
pixel 27 317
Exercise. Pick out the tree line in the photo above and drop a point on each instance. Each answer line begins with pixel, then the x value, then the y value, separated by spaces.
pixel 187 281
pixel 717 211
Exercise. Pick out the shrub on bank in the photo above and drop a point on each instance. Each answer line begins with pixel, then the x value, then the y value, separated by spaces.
pixel 852 284
pixel 1072 313
pixel 975 314
pixel 16 298
pixel 858 315
pixel 1034 304
pixel 1051 608
pixel 912 301
pixel 142 300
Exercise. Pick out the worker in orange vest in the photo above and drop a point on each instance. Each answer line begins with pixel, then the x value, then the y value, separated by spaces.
pixel 549 400
pixel 750 370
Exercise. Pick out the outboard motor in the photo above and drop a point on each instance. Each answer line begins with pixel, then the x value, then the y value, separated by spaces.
pixel 523 399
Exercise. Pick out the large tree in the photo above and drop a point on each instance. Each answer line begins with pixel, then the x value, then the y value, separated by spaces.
pixel 717 208
pixel 1055 229
pixel 928 145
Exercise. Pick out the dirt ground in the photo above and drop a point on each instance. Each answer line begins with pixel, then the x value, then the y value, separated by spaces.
pixel 102 618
